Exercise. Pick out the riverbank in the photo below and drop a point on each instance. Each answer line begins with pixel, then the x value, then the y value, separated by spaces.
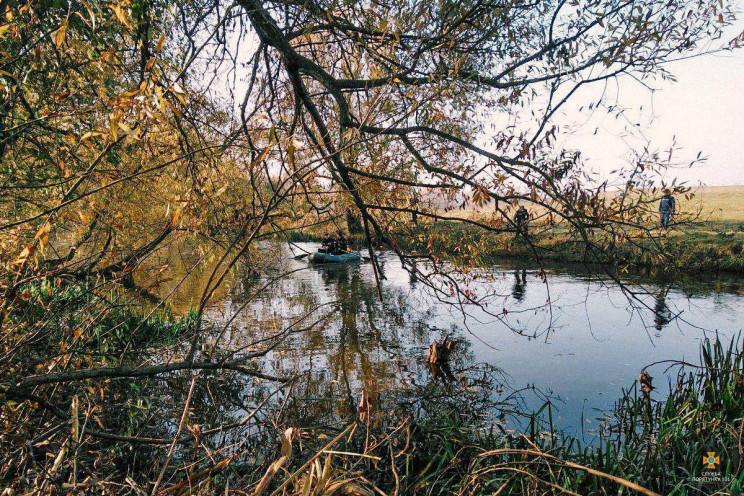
pixel 713 241
pixel 716 247
pixel 441 441
pixel 695 247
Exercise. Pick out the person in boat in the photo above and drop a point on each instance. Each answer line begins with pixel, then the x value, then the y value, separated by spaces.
pixel 328 244
pixel 522 218
pixel 342 245
pixel 667 208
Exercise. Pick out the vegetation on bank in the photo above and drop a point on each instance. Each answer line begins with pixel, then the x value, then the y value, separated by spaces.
pixel 646 446
pixel 707 236
pixel 697 247
pixel 653 441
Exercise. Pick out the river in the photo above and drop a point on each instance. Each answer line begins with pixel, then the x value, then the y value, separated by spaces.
pixel 564 336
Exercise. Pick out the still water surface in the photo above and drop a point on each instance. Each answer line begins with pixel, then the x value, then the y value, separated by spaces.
pixel 579 351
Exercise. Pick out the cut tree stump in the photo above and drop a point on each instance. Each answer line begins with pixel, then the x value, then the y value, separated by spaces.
pixel 439 351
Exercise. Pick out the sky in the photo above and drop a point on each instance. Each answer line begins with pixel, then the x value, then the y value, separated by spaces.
pixel 703 112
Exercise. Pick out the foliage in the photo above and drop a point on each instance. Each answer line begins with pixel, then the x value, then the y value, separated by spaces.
pixel 127 125
pixel 67 329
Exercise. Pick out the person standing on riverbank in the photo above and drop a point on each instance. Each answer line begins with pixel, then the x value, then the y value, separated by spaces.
pixel 521 219
pixel 667 208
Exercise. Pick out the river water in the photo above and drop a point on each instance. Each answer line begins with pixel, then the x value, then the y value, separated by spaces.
pixel 570 338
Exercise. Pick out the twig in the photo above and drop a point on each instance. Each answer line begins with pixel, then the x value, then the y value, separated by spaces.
pixel 147 371
pixel 184 415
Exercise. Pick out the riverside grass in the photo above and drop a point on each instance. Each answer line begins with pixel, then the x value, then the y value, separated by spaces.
pixel 647 446
pixel 698 247
pixel 648 443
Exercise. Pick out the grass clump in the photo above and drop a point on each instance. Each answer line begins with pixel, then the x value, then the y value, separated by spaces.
pixel 646 446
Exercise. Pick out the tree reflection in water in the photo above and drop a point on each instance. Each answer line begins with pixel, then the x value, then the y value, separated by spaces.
pixel 662 313
pixel 365 360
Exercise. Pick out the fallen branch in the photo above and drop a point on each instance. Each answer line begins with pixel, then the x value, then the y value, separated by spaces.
pixel 129 372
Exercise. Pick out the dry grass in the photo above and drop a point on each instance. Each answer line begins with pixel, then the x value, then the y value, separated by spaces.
pixel 719 204
pixel 716 204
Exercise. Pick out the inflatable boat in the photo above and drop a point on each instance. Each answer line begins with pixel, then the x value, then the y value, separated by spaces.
pixel 328 258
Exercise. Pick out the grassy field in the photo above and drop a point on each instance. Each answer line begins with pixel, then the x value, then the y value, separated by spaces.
pixel 721 203
pixel 708 237
pixel 711 237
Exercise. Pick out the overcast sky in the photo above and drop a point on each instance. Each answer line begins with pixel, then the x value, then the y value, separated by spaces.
pixel 704 110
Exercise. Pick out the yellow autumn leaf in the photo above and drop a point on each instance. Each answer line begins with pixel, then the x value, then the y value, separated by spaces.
pixel 177 90
pixel 42 236
pixel 58 36
pixel 3 30
pixel 263 155
pixel 176 216
pixel 23 256
pixel 161 43
pixel 124 127
pixel 113 128
pixel 90 134
pixel 108 55
pixel 129 94
pixel 121 15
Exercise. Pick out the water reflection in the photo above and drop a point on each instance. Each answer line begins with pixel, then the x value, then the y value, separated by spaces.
pixel 520 281
pixel 366 358
pixel 441 372
pixel 662 313
pixel 366 354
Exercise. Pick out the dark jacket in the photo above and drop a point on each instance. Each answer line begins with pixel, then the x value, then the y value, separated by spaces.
pixel 667 204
